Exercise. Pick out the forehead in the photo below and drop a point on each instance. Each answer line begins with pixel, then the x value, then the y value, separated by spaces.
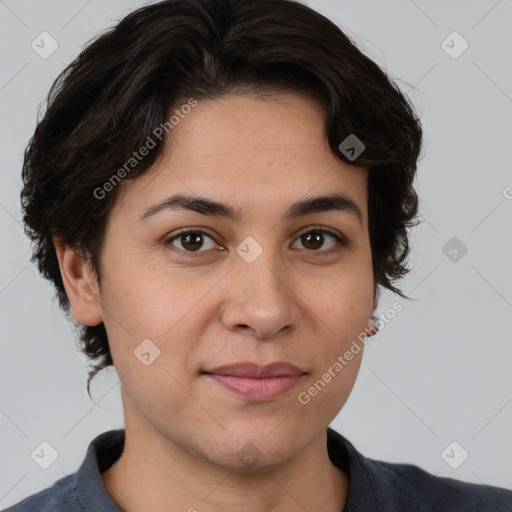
pixel 248 151
pixel 251 121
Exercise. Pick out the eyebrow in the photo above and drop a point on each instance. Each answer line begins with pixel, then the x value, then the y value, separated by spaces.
pixel 210 207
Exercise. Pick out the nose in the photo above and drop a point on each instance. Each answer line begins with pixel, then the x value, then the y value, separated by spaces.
pixel 260 299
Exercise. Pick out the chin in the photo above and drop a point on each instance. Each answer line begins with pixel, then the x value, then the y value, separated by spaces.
pixel 261 446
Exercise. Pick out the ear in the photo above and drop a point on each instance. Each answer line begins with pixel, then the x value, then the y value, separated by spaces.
pixel 371 328
pixel 81 285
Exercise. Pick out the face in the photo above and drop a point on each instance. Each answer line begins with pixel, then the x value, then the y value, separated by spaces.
pixel 268 284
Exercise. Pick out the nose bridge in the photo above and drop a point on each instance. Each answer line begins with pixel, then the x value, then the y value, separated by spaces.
pixel 260 296
pixel 263 257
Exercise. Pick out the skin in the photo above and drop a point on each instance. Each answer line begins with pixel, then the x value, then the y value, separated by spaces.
pixel 298 302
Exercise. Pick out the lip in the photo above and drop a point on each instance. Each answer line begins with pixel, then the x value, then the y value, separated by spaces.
pixel 255 382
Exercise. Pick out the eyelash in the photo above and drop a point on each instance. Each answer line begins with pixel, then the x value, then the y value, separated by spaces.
pixel 342 242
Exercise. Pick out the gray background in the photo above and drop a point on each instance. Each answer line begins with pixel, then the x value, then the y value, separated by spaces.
pixel 438 372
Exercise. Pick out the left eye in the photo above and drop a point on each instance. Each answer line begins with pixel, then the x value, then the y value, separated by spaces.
pixel 315 238
pixel 193 240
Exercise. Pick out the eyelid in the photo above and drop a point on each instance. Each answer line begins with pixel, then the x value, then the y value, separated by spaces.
pixel 324 229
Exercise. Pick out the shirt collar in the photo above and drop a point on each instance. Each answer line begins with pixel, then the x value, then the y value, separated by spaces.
pixel 102 452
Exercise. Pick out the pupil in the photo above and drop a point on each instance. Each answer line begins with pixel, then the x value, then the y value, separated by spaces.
pixel 314 238
pixel 193 239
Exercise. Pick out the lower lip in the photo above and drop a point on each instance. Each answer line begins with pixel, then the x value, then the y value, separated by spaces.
pixel 259 390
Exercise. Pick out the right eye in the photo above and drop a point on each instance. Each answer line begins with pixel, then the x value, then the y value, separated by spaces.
pixel 191 241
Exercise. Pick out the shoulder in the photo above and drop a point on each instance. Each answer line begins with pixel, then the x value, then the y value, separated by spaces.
pixel 59 497
pixel 83 489
pixel 390 487
pixel 425 491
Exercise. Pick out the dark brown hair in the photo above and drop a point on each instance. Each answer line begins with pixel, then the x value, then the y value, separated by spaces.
pixel 125 83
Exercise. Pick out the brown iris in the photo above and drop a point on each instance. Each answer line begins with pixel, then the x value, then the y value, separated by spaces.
pixel 313 240
pixel 192 241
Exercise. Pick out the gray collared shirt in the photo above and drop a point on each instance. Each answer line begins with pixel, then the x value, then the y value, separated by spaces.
pixel 375 486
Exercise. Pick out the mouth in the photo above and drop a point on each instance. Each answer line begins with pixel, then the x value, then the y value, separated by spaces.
pixel 257 383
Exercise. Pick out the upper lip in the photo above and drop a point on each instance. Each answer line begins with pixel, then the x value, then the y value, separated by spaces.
pixel 256 371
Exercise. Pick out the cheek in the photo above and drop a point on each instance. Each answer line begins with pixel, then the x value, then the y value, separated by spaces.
pixel 167 308
pixel 339 343
pixel 151 301
pixel 338 346
pixel 343 305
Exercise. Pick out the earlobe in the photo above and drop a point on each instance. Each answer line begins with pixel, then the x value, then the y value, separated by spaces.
pixel 81 285
pixel 372 328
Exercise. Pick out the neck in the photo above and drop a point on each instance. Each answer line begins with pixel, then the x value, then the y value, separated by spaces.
pixel 154 473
